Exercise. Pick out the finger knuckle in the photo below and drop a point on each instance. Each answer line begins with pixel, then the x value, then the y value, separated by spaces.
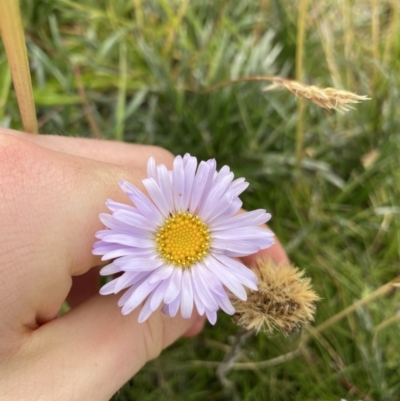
pixel 23 165
pixel 12 152
pixel 16 165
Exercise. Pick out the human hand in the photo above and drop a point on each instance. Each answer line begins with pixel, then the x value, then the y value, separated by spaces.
pixel 52 191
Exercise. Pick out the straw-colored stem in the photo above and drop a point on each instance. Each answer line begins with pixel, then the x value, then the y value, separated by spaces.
pixel 375 36
pixel 385 289
pixel 5 79
pixel 12 33
pixel 327 98
pixel 348 36
pixel 222 84
pixel 301 25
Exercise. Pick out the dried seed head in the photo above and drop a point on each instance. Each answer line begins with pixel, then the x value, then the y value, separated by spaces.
pixel 284 300
pixel 328 98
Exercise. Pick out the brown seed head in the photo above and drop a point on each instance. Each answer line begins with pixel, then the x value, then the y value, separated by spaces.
pixel 284 300
pixel 328 98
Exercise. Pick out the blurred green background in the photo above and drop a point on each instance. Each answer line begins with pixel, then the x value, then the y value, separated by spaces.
pixel 134 70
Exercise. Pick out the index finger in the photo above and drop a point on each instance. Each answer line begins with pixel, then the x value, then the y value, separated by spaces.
pixel 49 215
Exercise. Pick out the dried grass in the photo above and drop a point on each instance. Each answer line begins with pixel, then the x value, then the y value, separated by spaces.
pixel 327 98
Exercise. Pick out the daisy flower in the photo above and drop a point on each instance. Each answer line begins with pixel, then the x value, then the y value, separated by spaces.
pixel 178 246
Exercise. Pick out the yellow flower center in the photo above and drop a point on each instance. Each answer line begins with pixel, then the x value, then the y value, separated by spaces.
pixel 183 240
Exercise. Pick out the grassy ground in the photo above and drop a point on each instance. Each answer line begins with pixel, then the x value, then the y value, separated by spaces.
pixel 134 70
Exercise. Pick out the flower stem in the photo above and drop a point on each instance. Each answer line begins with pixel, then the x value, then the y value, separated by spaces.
pixel 230 358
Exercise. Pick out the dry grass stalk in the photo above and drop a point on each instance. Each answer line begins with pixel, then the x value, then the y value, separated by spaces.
pixel 13 36
pixel 328 98
pixel 284 300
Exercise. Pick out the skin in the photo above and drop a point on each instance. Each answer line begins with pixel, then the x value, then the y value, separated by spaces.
pixel 52 190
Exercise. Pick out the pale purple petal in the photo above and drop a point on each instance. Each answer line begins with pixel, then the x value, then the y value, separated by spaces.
pixel 109 287
pixel 103 248
pixel 126 280
pixel 240 248
pixel 145 312
pixel 238 186
pixel 254 218
pixel 220 177
pixel 166 186
pixel 211 316
pixel 225 304
pixel 246 275
pixel 197 301
pixel 114 206
pixel 140 278
pixel 226 278
pixel 158 295
pixel 240 271
pixel 144 206
pixel 140 253
pixel 135 220
pixel 116 286
pixel 126 251
pixel 162 273
pixel 172 308
pixel 178 183
pixel 212 282
pixel 110 222
pixel 202 288
pixel 223 172
pixel 175 285
pixel 186 158
pixel 245 233
pixel 233 208
pixel 165 310
pixel 132 232
pixel 215 194
pixel 100 245
pixel 157 196
pixel 186 295
pixel 125 239
pixel 112 268
pixel 212 163
pixel 107 220
pixel 190 165
pixel 218 208
pixel 104 233
pixel 140 265
pixel 140 294
pixel 152 169
pixel 202 183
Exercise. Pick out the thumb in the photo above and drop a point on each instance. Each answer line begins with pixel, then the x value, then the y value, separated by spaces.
pixel 91 351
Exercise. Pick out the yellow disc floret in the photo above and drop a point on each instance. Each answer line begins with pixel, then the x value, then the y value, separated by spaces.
pixel 183 240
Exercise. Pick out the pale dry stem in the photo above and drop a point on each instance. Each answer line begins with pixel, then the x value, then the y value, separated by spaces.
pixel 327 98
